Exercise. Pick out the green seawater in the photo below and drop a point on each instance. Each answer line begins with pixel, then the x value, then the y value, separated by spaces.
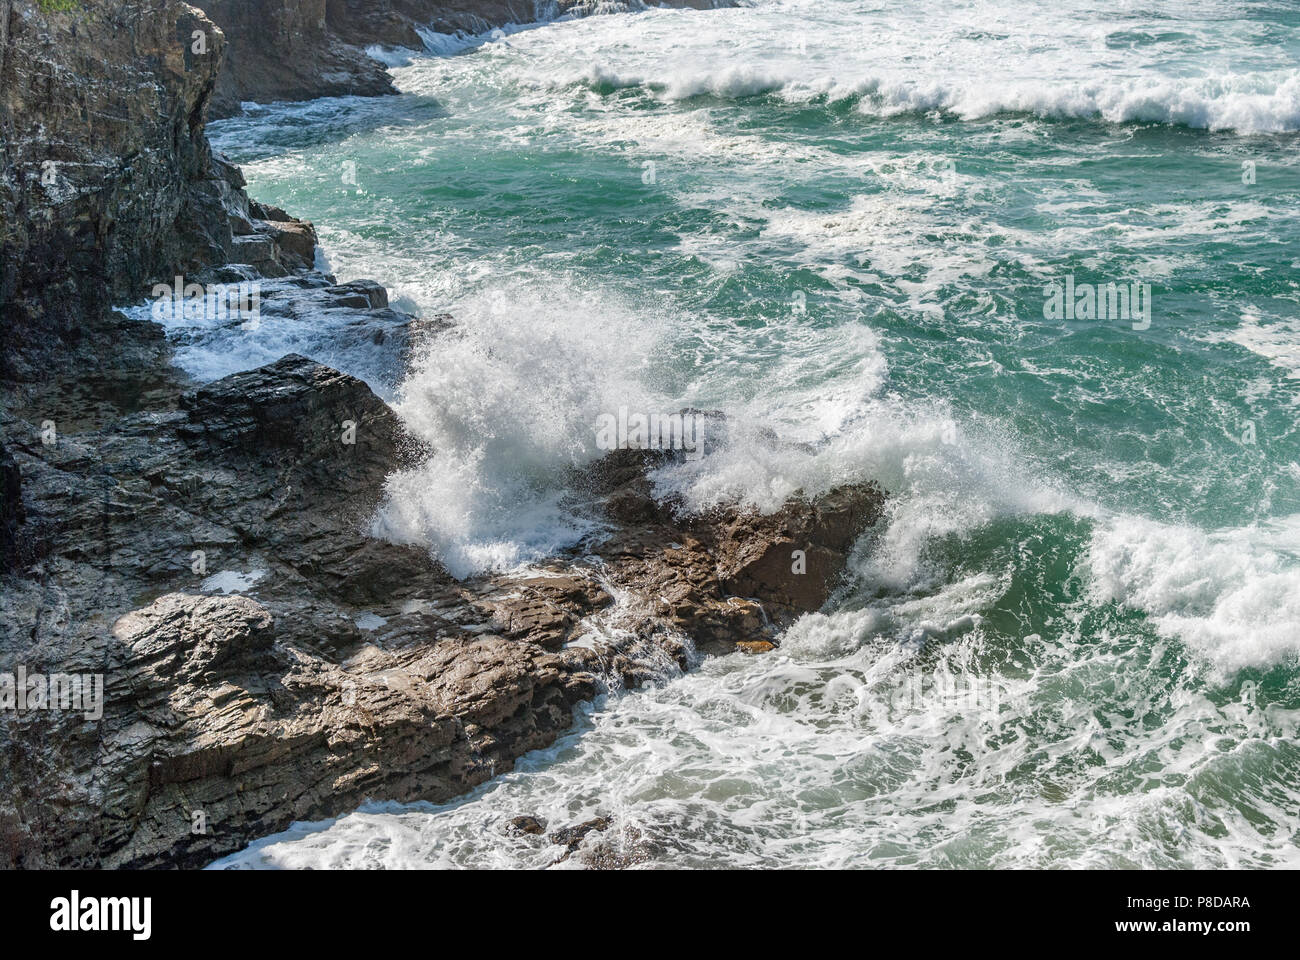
pixel 1073 639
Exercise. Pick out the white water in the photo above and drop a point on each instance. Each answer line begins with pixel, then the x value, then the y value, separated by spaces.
pixel 1120 618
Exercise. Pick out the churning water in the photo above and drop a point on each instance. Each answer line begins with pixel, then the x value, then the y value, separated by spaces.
pixel 1073 640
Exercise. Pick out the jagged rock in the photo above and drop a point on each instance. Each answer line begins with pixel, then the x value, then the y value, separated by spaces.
pixel 252 744
pixel 295 243
pixel 109 184
pixel 187 639
pixel 793 558
pixel 572 836
pixel 547 610
pixel 109 181
pixel 734 576
pixel 360 294
pixel 274 248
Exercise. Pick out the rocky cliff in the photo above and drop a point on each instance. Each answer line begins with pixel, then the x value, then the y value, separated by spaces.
pixel 107 181
pixel 263 660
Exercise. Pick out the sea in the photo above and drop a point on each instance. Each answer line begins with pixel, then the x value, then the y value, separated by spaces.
pixel 1032 266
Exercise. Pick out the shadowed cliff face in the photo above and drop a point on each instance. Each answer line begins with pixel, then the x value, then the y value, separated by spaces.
pixel 108 179
pixel 108 182
pixel 289 50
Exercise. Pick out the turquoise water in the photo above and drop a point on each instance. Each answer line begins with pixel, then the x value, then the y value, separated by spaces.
pixel 1073 639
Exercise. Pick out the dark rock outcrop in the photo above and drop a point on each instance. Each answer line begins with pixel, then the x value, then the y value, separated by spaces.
pixel 343 668
pixel 108 178
pixel 109 184
pixel 289 50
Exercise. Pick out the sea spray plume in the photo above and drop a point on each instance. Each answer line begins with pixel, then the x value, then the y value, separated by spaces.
pixel 506 400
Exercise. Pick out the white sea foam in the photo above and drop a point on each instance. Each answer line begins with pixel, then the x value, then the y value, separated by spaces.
pixel 508 403
pixel 209 346
pixel 970 60
pixel 1244 103
pixel 1278 342
pixel 1233 594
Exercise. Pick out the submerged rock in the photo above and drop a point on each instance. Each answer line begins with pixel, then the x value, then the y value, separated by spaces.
pixel 572 836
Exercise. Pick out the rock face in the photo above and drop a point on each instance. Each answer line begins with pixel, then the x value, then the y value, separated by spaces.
pixel 302 49
pixel 345 668
pixel 109 184
pixel 109 181
pixel 289 50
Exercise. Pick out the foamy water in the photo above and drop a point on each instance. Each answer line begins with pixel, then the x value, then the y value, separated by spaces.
pixel 836 222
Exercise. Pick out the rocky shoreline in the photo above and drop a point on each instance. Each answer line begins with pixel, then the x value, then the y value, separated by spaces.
pixel 205 548
pixel 304 49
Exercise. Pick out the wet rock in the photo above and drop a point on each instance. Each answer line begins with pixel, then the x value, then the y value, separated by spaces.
pixel 624 849
pixel 734 575
pixel 572 837
pixel 363 294
pixel 525 826
pixel 548 610
pixel 793 558
pixel 110 186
